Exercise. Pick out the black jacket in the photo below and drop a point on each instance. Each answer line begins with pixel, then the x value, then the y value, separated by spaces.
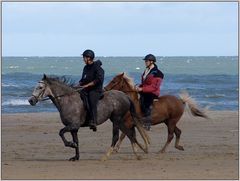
pixel 95 73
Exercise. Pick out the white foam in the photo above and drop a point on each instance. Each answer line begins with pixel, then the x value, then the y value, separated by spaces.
pixel 15 102
pixel 9 85
pixel 138 68
pixel 13 67
pixel 215 95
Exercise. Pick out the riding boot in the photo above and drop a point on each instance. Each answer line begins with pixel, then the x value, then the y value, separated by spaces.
pixel 147 119
pixel 93 125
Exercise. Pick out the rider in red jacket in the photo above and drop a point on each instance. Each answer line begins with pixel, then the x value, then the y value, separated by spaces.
pixel 149 89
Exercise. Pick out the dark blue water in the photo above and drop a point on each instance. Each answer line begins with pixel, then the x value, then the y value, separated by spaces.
pixel 220 92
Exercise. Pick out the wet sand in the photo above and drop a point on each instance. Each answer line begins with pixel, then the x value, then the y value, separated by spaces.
pixel 32 149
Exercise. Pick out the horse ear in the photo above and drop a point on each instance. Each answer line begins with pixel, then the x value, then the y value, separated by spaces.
pixel 122 74
pixel 44 77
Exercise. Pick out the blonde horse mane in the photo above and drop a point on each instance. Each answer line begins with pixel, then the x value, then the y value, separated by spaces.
pixel 129 80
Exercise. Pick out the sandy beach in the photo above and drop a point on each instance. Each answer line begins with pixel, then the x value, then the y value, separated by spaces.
pixel 32 149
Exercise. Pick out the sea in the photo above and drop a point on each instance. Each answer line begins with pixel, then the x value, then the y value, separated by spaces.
pixel 211 81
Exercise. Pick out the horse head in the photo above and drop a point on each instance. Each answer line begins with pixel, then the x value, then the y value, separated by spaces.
pixel 41 91
pixel 121 82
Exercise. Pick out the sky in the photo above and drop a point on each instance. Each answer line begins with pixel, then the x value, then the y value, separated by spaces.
pixel 120 28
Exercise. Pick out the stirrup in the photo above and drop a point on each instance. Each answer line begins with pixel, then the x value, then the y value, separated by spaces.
pixel 93 127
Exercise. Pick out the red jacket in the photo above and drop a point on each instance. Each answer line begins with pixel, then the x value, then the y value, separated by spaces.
pixel 152 82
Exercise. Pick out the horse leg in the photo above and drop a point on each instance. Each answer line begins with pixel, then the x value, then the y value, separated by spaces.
pixel 145 139
pixel 117 147
pixel 67 143
pixel 134 147
pixel 145 149
pixel 75 140
pixel 130 134
pixel 122 136
pixel 114 141
pixel 177 132
pixel 171 128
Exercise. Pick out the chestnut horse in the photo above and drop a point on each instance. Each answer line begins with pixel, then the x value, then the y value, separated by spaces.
pixel 166 109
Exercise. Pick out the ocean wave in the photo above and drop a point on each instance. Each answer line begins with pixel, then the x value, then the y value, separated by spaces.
pixel 215 96
pixel 13 67
pixel 9 85
pixel 15 102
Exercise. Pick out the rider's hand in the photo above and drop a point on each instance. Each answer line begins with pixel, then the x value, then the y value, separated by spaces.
pixel 139 89
pixel 77 86
pixel 85 86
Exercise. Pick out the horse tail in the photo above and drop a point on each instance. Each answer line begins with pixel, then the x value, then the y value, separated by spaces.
pixel 138 123
pixel 192 105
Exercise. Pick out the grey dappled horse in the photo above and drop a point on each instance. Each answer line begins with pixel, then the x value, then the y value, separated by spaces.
pixel 114 106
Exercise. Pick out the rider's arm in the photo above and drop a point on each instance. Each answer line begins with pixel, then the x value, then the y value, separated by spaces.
pixel 99 78
pixel 89 84
pixel 153 86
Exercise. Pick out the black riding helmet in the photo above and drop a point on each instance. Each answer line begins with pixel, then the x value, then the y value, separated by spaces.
pixel 150 57
pixel 88 53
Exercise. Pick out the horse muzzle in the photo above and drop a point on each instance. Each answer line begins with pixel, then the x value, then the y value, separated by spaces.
pixel 32 100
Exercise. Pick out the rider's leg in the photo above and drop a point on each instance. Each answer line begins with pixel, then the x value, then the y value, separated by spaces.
pixel 147 102
pixel 84 97
pixel 93 98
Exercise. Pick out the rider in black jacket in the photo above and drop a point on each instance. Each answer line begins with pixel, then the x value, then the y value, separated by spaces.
pixel 92 82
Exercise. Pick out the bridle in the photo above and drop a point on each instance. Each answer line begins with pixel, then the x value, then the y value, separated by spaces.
pixel 55 97
pixel 41 93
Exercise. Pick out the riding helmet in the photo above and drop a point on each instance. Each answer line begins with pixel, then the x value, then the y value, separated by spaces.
pixel 150 57
pixel 88 53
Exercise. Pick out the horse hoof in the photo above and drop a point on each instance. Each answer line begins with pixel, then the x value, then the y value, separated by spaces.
pixel 104 158
pixel 74 158
pixel 180 148
pixel 139 157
